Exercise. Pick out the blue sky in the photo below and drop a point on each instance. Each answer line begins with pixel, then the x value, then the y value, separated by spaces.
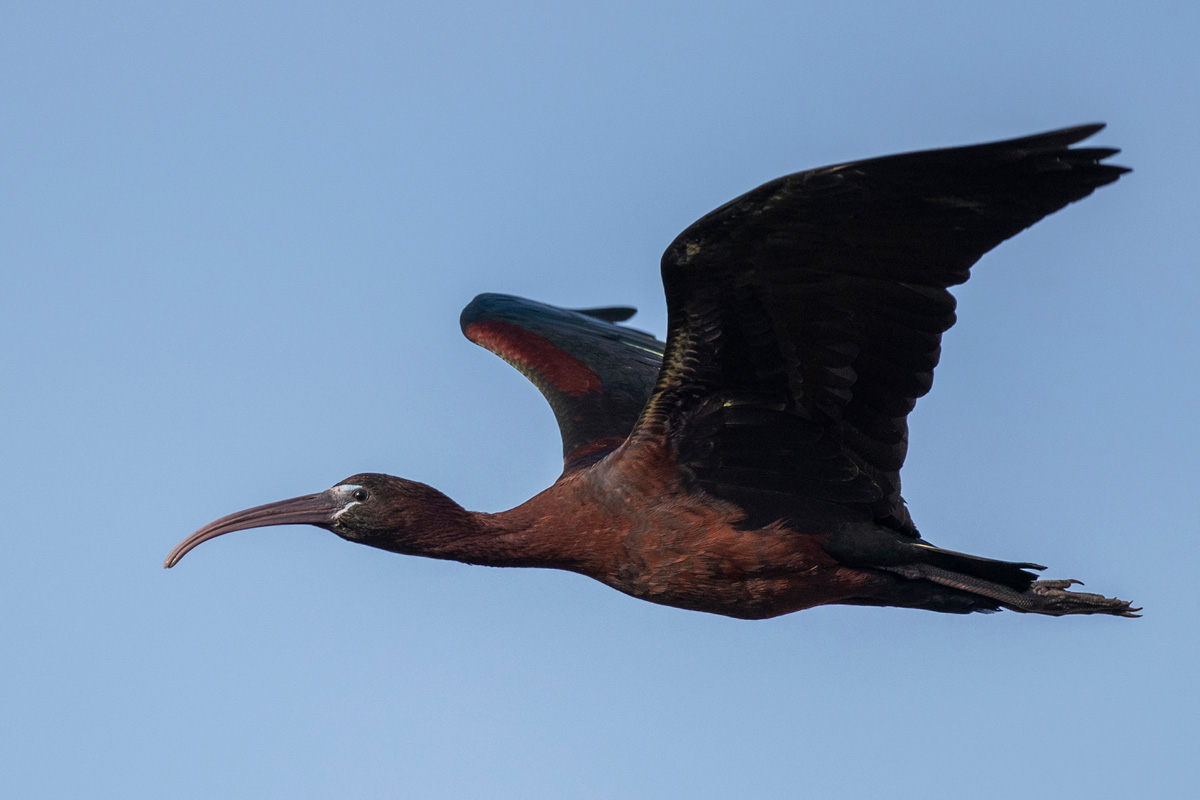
pixel 234 242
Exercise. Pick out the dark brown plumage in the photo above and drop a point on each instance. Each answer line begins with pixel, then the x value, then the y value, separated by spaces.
pixel 750 465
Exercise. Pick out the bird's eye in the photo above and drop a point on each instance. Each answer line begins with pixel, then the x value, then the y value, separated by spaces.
pixel 360 495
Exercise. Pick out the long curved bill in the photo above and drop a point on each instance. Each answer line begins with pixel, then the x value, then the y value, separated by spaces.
pixel 311 509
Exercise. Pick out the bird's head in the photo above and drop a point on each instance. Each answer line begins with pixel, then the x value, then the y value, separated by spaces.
pixel 369 508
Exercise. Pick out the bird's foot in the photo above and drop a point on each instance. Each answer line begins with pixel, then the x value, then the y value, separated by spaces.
pixel 1054 597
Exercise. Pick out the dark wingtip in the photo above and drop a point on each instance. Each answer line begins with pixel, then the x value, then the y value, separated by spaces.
pixel 1052 152
pixel 1055 143
pixel 1056 139
pixel 608 314
pixel 1077 133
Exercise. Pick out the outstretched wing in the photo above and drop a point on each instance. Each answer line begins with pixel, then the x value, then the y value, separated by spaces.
pixel 596 375
pixel 805 317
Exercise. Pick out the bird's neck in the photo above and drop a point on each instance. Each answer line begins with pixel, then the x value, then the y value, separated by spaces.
pixel 520 537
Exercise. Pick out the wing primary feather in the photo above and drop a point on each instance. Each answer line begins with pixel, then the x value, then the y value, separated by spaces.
pixel 824 295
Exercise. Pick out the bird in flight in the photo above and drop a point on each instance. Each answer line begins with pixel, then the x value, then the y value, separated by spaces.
pixel 750 465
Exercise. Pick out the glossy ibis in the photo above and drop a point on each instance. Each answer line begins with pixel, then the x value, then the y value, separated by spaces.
pixel 749 465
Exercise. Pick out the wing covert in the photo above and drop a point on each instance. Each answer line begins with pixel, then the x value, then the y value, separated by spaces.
pixel 596 374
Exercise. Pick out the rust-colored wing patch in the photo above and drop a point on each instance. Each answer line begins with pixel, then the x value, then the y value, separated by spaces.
pixel 595 373
pixel 534 356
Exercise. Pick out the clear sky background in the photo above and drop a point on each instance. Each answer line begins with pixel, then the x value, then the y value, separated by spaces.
pixel 234 243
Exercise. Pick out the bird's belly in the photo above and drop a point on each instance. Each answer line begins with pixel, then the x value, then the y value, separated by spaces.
pixel 743 596
pixel 717 568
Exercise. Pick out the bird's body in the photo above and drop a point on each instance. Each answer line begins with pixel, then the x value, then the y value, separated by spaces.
pixel 631 524
pixel 749 466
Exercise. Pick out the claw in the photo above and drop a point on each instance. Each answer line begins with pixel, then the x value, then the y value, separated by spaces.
pixel 1051 597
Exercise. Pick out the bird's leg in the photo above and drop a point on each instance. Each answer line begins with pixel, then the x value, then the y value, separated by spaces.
pixel 1051 597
